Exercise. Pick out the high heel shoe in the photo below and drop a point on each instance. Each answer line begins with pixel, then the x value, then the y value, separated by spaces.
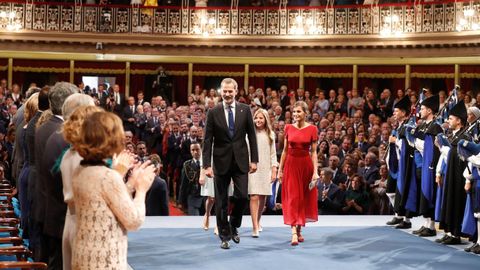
pixel 205 223
pixel 300 237
pixel 294 239
pixel 255 234
pixel 215 231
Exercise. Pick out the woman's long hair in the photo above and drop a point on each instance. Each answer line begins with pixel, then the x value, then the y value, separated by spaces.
pixel 268 126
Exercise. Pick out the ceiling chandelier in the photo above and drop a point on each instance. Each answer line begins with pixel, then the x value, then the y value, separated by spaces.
pixel 8 20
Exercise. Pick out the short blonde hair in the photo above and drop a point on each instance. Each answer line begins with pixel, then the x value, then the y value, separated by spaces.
pixel 101 135
pixel 31 107
pixel 303 105
pixel 72 126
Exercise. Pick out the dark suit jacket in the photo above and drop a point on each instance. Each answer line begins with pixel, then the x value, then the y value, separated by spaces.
pixel 226 149
pixel 364 148
pixel 190 189
pixel 157 198
pixel 333 204
pixel 40 195
pixel 154 138
pixel 30 141
pixel 370 175
pixel 127 113
pixel 56 208
pixel 339 177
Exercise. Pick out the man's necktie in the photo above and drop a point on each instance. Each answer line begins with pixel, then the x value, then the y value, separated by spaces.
pixel 231 123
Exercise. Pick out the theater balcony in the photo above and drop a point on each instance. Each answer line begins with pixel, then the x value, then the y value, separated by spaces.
pixel 412 29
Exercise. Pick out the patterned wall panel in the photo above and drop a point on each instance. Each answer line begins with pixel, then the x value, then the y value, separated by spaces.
pixel 360 20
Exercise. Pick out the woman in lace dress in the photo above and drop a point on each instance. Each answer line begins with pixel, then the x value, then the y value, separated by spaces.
pixel 104 206
pixel 259 183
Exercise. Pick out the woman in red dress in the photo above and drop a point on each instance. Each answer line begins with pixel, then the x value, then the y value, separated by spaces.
pixel 299 158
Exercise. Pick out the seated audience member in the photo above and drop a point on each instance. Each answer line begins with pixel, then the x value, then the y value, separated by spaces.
pixel 157 196
pixel 338 175
pixel 330 196
pixel 102 195
pixel 356 199
pixel 379 195
pixel 273 202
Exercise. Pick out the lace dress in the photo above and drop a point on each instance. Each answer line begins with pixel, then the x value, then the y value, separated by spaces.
pixel 105 212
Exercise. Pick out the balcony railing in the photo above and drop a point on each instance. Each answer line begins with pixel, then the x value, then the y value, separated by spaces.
pixel 384 20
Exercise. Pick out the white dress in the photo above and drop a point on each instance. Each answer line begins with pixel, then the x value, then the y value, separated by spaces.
pixel 70 162
pixel 259 183
pixel 208 189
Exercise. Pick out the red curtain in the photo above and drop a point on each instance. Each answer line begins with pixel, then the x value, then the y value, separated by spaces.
pixel 467 84
pixel 433 68
pixel 381 69
pixel 257 82
pixel 293 83
pixel 198 80
pixel 310 84
pixel 181 89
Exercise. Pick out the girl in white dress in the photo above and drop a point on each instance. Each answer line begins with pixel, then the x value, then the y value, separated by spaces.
pixel 208 190
pixel 259 183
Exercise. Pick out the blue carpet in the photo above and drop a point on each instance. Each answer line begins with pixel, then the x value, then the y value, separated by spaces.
pixel 325 248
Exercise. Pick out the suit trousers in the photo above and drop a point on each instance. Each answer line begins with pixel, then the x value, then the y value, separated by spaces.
pixel 239 201
pixel 54 253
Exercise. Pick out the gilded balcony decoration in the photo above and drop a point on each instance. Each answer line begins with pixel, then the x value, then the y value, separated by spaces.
pixel 383 20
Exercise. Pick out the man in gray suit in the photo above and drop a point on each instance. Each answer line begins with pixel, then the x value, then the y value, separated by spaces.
pixel 227 125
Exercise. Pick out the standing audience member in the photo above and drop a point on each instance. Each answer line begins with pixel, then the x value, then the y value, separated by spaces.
pixel 55 207
pixel 50 246
pixel 157 196
pixel 101 194
pixel 69 163
pixel 189 195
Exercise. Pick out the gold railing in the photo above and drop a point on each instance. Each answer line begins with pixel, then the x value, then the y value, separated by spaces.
pixel 384 20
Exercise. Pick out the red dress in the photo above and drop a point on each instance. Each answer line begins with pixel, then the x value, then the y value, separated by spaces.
pixel 299 204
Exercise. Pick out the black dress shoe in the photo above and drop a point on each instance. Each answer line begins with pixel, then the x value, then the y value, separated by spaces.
pixel 452 241
pixel 235 236
pixel 476 249
pixel 395 221
pixel 419 230
pixel 428 233
pixel 404 225
pixel 440 240
pixel 471 248
pixel 225 245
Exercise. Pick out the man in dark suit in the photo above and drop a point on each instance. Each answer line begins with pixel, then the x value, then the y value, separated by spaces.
pixel 118 99
pixel 362 144
pixel 55 207
pixel 227 125
pixel 338 175
pixel 330 196
pixel 128 115
pixel 48 248
pixel 370 172
pixel 154 132
pixel 140 98
pixel 190 187
pixel 156 201
pixel 33 231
